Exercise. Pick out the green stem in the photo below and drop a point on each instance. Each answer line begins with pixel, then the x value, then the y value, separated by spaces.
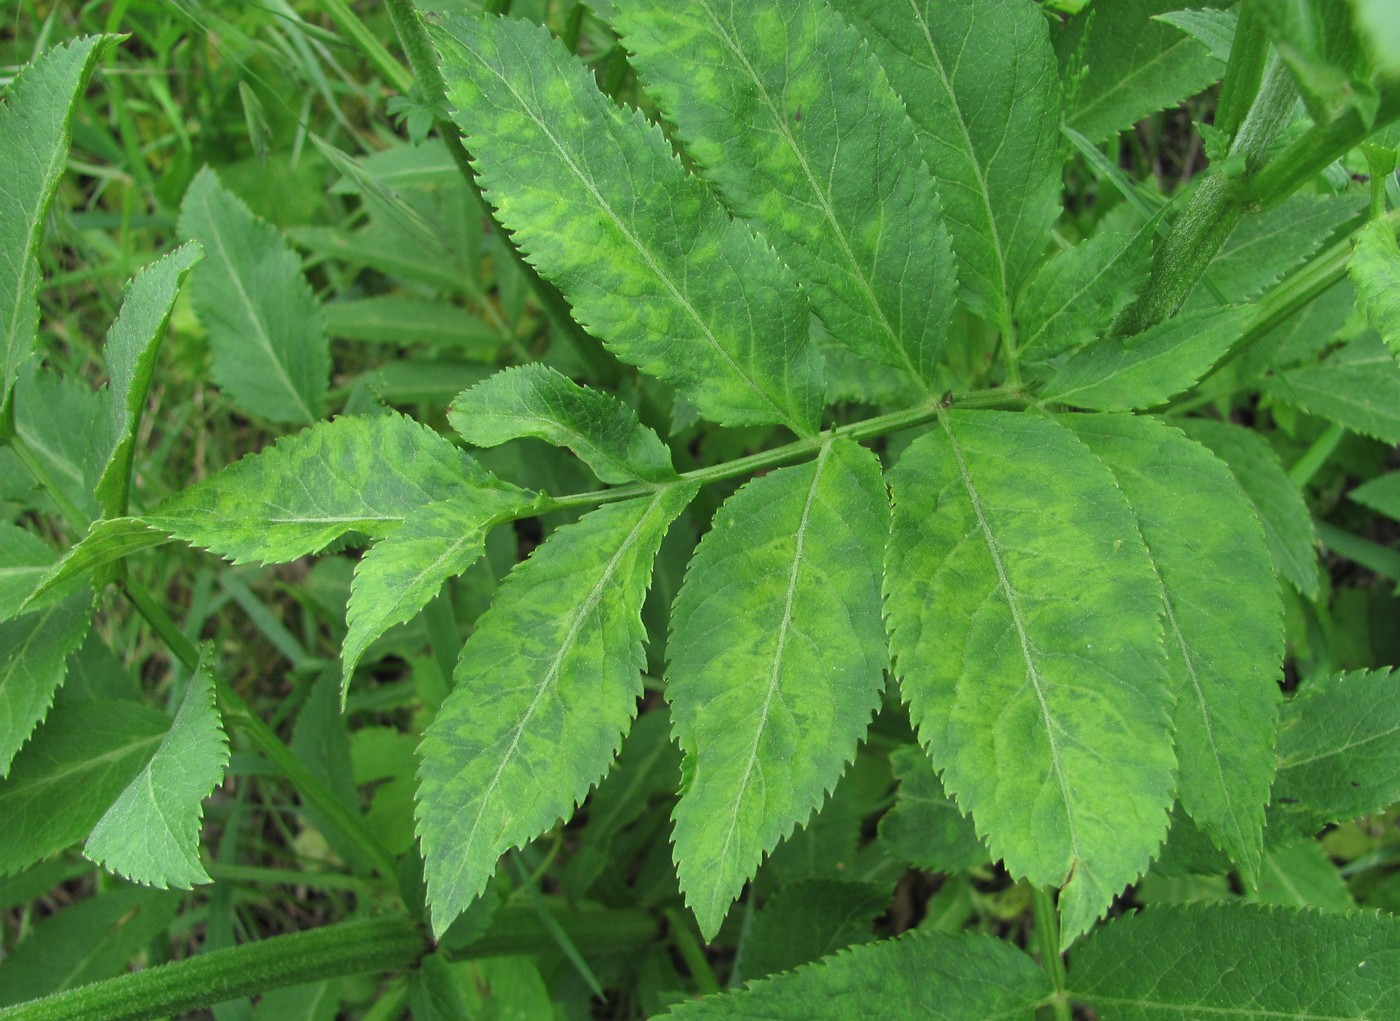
pixel 221 872
pixel 1316 150
pixel 867 429
pixel 1047 938
pixel 1316 456
pixel 384 62
pixel 1373 556
pixel 1249 51
pixel 519 930
pixel 1296 290
pixel 1213 212
pixel 347 948
pixel 265 738
pixel 691 952
pixel 36 468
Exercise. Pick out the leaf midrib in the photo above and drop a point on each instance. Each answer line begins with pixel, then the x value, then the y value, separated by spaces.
pixel 1022 633
pixel 780 648
pixel 581 613
pixel 260 333
pixel 984 191
pixel 681 299
pixel 822 196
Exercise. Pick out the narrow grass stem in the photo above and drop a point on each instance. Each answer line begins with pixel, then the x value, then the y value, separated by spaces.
pixel 1047 939
pixel 264 737
pixel 384 62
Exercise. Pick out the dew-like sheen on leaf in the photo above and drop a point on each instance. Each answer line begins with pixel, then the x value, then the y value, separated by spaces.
pixel 1239 962
pixel 644 253
pixel 1023 614
pixel 980 82
pixel 777 660
pixel 150 834
pixel 535 400
pixel 785 109
pixel 930 975
pixel 544 690
pixel 1210 554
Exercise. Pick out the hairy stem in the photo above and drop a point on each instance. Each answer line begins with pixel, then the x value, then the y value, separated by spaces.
pixel 346 948
pixel 1316 150
pixel 1212 213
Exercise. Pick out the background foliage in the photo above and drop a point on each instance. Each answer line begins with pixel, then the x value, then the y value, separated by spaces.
pixel 976 526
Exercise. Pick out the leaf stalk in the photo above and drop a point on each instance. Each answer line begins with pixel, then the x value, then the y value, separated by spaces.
pixel 867 429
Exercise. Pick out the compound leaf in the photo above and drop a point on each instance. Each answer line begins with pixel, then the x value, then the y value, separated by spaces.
pixel 1022 607
pixel 646 255
pixel 1240 961
pixel 544 690
pixel 404 571
pixel 1075 295
pixel 777 660
pixel 931 975
pixel 150 834
pixel 306 490
pixel 925 828
pixel 1145 370
pixel 1338 751
pixel 266 332
pixel 811 919
pixel 132 344
pixel 1288 525
pixel 1357 386
pixel 35 650
pixel 535 400
pixel 83 756
pixel 785 109
pixel 1267 245
pixel 1209 551
pixel 25 559
pixel 1299 874
pixel 1375 273
pixel 1126 65
pixel 980 82
pixel 35 125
